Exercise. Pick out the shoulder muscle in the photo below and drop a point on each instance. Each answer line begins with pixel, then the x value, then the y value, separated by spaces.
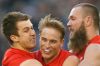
pixel 71 61
pixel 31 62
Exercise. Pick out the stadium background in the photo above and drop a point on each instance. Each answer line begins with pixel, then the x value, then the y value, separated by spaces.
pixel 38 9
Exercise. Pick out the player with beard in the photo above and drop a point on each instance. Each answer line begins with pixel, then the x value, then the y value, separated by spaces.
pixel 78 41
pixel 84 34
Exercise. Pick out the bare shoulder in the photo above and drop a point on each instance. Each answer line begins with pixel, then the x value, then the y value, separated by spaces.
pixel 94 46
pixel 93 50
pixel 31 62
pixel 71 61
pixel 92 55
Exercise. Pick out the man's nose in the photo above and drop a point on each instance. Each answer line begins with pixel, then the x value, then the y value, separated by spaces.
pixel 47 44
pixel 33 33
pixel 69 24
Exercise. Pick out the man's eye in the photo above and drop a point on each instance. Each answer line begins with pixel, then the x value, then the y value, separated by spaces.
pixel 43 39
pixel 73 19
pixel 53 41
pixel 26 30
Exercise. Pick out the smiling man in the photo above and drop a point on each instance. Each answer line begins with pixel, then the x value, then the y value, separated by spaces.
pixel 51 42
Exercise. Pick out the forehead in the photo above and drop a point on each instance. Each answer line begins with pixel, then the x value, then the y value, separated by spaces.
pixel 23 24
pixel 50 33
pixel 77 11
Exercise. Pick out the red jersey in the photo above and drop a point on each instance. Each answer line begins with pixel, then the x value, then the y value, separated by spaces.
pixel 58 61
pixel 94 40
pixel 14 57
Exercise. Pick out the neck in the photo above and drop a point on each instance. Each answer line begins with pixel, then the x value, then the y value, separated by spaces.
pixel 92 33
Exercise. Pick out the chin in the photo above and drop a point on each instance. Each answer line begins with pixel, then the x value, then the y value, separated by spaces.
pixel 31 47
pixel 71 36
pixel 46 56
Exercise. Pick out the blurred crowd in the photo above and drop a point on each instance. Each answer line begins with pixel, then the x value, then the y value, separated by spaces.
pixel 38 9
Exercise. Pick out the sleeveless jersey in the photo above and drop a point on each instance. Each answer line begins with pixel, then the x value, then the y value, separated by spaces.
pixel 58 61
pixel 94 40
pixel 14 57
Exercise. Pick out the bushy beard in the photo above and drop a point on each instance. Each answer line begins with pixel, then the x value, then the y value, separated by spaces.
pixel 79 40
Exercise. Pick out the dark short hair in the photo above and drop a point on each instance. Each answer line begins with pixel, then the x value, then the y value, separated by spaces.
pixel 48 22
pixel 9 23
pixel 91 10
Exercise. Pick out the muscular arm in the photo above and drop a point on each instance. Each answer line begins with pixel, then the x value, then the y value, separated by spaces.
pixel 71 61
pixel 92 56
pixel 31 62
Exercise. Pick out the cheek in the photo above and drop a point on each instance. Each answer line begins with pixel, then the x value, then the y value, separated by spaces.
pixel 42 44
pixel 55 50
pixel 25 40
pixel 76 27
pixel 56 47
pixel 24 35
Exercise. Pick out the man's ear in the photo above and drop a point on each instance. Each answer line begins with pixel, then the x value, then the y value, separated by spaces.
pixel 14 38
pixel 88 21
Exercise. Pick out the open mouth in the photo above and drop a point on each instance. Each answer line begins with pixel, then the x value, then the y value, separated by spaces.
pixel 47 51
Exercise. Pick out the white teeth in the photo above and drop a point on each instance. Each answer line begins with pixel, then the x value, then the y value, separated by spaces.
pixel 46 50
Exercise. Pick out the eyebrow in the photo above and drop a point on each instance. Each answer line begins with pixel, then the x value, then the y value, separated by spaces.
pixel 27 27
pixel 71 17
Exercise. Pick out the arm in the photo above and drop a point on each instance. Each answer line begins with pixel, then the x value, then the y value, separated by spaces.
pixel 71 61
pixel 92 56
pixel 31 62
